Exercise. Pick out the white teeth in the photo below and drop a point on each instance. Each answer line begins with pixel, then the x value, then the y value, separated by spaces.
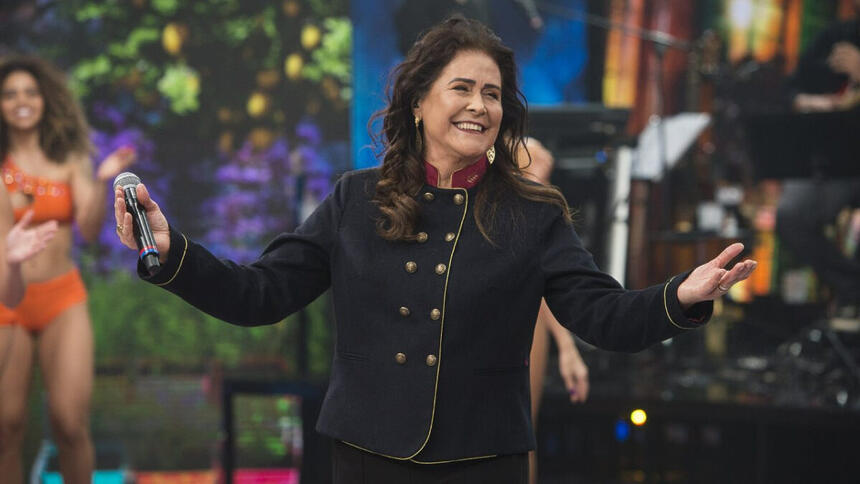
pixel 23 112
pixel 470 127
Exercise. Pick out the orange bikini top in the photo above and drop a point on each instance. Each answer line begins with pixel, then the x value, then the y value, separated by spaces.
pixel 51 199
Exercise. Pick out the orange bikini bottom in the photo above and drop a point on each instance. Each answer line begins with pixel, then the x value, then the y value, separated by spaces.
pixel 44 301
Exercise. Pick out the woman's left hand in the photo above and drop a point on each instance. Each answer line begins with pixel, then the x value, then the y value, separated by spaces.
pixel 710 281
pixel 116 163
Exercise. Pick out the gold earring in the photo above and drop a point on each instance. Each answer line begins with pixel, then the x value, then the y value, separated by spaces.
pixel 491 154
pixel 418 133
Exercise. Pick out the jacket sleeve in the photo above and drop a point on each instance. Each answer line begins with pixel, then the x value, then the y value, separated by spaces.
pixel 291 272
pixel 597 309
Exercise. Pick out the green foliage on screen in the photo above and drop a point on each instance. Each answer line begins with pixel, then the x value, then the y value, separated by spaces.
pixel 138 325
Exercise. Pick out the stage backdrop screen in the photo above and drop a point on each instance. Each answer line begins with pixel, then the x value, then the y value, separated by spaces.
pixel 238 111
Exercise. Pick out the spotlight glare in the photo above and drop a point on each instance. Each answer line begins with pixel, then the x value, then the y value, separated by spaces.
pixel 638 417
pixel 741 13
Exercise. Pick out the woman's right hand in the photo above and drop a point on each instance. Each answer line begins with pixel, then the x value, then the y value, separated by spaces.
pixel 157 222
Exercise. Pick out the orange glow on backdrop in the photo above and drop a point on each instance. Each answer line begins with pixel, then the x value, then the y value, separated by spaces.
pixel 754 27
pixel 767 30
pixel 793 12
pixel 761 29
pixel 674 17
pixel 622 55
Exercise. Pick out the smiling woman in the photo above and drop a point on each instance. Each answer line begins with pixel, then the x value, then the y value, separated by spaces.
pixel 461 114
pixel 453 79
pixel 437 262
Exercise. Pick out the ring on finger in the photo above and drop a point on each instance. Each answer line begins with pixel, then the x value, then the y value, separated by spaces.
pixel 721 288
pixel 119 228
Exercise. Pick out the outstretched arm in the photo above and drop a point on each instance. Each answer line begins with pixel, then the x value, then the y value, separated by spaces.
pixel 293 270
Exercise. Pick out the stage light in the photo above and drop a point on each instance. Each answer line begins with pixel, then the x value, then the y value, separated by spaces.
pixel 741 13
pixel 638 417
pixel 622 430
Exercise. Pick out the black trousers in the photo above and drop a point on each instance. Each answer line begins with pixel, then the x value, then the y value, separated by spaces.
pixel 354 466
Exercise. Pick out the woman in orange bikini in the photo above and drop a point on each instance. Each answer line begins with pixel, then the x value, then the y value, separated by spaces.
pixel 46 168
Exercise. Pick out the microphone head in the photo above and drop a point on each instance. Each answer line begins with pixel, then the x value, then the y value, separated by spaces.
pixel 125 180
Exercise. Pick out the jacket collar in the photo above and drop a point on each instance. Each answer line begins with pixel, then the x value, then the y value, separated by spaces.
pixel 466 177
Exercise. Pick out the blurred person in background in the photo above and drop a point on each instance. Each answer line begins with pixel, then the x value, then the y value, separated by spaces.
pixel 827 79
pixel 536 162
pixel 47 170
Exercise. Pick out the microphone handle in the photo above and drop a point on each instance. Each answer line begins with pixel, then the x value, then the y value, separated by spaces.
pixel 148 251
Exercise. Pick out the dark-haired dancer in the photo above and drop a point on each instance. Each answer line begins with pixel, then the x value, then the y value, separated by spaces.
pixel 437 262
pixel 46 167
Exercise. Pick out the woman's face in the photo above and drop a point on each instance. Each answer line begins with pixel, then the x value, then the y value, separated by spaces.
pixel 21 101
pixel 462 111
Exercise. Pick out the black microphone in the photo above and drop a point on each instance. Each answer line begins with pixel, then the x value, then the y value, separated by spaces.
pixel 142 233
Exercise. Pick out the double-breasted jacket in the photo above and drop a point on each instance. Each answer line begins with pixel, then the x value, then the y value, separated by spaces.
pixel 433 335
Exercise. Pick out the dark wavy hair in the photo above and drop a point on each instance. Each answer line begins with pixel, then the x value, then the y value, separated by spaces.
pixel 402 172
pixel 63 129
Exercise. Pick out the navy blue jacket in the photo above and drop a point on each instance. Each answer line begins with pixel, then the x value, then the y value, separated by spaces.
pixel 433 336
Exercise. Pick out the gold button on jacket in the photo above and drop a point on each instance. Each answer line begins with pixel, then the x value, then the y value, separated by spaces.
pixel 435 314
pixel 400 358
pixel 440 269
pixel 411 267
pixel 431 360
pixel 404 311
pixel 459 199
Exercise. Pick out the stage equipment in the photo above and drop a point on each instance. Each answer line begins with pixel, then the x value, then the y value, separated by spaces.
pixel 804 145
pixel 589 167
